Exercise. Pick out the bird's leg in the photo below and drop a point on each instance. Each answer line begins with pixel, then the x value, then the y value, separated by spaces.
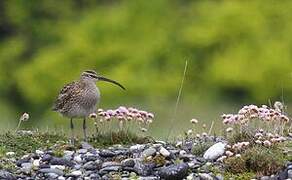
pixel 84 129
pixel 72 131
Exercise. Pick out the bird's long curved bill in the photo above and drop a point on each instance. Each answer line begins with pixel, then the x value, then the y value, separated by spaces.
pixel 111 81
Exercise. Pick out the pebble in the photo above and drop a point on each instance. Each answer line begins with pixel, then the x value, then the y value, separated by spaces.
pixel 76 173
pixel 10 153
pixel 6 175
pixel 164 152
pixel 137 147
pixel 174 171
pixel 205 176
pixel 289 173
pixel 78 158
pixel 51 170
pixel 36 163
pixel 148 152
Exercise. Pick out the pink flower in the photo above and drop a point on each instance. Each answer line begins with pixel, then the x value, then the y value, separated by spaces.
pixel 267 143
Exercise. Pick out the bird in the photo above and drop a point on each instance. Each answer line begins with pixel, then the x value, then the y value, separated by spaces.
pixel 79 98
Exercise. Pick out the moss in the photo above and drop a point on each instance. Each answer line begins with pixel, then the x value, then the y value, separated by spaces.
pixel 236 165
pixel 258 159
pixel 240 176
pixel 159 160
pixel 27 143
pixel 264 161
pixel 120 137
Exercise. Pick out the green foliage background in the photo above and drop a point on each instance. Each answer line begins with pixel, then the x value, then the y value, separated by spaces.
pixel 239 50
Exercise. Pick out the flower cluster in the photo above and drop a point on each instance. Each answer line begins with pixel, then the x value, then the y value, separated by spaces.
pixel 126 114
pixel 250 112
pixel 268 139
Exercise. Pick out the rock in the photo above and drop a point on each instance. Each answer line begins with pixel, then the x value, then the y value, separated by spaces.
pixel 61 167
pixel 215 151
pixel 82 151
pixel 137 147
pixel 148 152
pixel 76 173
pixel 39 152
pixel 36 163
pixel 6 175
pixel 23 160
pixel 68 155
pixel 78 158
pixel 10 153
pixel 128 163
pixel 143 169
pixel 110 169
pixel 52 175
pixel 61 161
pixel 174 171
pixel 61 178
pixel 91 165
pixel 51 170
pixel 107 153
pixel 148 178
pixel 110 163
pixel 164 152
pixel 219 177
pixel 205 176
pixel 46 157
pixel 26 167
pixel 289 173
pixel 85 145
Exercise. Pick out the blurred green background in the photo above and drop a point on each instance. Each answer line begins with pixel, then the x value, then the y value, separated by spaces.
pixel 239 52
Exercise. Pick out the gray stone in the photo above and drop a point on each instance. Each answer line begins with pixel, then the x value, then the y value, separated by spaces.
pixel 149 178
pixel 110 163
pixel 26 167
pixel 137 147
pixel 61 161
pixel 289 173
pixel 107 153
pixel 53 175
pixel 143 169
pixel 174 171
pixel 51 170
pixel 6 175
pixel 109 169
pixel 82 151
pixel 91 165
pixel 128 163
pixel 149 152
pixel 205 176
pixel 85 145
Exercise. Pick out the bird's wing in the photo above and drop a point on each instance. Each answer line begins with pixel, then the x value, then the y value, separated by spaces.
pixel 67 93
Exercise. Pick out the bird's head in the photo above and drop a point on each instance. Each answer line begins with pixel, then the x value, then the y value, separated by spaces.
pixel 93 76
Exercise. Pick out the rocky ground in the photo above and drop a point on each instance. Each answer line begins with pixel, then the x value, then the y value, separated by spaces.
pixel 152 161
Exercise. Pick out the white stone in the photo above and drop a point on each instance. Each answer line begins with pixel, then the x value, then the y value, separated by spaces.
pixel 182 152
pixel 138 147
pixel 61 178
pixel 36 163
pixel 39 152
pixel 76 173
pixel 78 158
pixel 164 152
pixel 215 151
pixel 60 167
pixel 10 153
pixel 290 173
